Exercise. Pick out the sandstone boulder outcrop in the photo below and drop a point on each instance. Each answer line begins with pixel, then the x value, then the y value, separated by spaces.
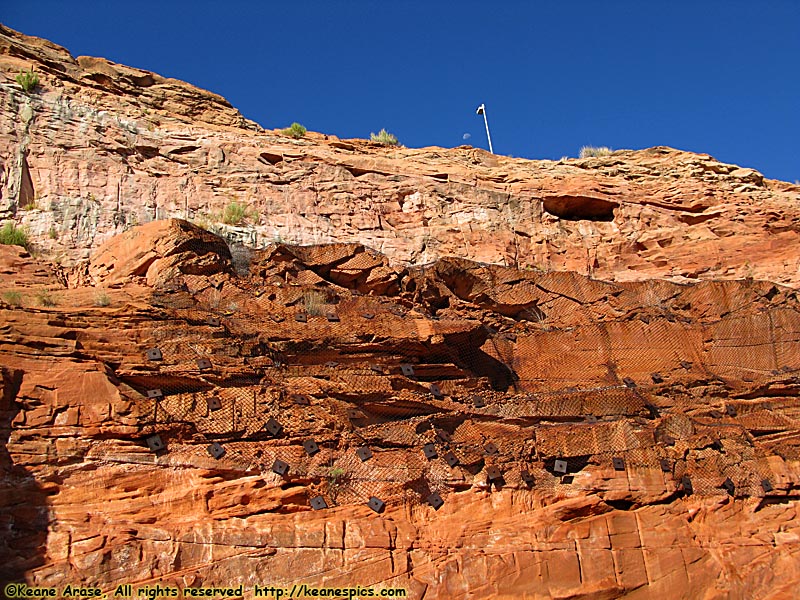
pixel 160 252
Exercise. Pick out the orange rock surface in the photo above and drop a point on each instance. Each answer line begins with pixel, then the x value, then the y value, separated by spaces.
pixel 509 370
pixel 573 379
pixel 100 147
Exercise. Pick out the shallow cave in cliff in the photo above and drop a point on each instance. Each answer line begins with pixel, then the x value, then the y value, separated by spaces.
pixel 580 208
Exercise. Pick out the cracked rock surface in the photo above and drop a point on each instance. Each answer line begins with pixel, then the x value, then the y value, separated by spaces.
pixel 100 147
pixel 572 379
pixel 587 438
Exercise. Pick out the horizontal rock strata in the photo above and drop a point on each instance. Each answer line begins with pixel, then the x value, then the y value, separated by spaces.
pixel 98 148
pixel 587 438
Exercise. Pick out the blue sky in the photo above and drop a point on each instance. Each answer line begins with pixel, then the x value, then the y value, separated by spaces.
pixel 719 77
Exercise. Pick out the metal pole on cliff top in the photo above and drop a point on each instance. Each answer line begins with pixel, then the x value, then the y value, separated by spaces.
pixel 482 111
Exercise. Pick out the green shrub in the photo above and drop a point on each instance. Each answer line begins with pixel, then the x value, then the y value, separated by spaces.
pixel 235 213
pixel 383 137
pixel 11 235
pixel 52 233
pixel 295 130
pixel 205 221
pixel 30 205
pixel 592 151
pixel 28 80
pixel 13 298
pixel 45 298
pixel 101 299
pixel 336 478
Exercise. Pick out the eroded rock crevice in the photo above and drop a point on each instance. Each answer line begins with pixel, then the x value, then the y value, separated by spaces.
pixel 575 208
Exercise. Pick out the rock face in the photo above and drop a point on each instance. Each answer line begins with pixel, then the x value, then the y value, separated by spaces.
pixel 530 435
pixel 505 379
pixel 100 147
pixel 159 252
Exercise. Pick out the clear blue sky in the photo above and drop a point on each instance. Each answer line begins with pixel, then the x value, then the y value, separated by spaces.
pixel 719 77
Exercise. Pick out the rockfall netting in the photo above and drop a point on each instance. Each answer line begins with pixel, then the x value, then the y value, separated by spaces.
pixel 384 397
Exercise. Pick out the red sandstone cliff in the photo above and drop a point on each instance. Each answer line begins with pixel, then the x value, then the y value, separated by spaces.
pixel 100 147
pixel 509 372
pixel 672 404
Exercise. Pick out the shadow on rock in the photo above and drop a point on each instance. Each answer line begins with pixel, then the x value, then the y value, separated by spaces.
pixel 24 516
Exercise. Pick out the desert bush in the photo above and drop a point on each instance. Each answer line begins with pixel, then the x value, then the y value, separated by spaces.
pixel 101 299
pixel 314 302
pixel 28 80
pixel 31 204
pixel 383 137
pixel 11 235
pixel 13 298
pixel 592 151
pixel 207 222
pixel 45 298
pixel 336 479
pixel 235 213
pixel 295 130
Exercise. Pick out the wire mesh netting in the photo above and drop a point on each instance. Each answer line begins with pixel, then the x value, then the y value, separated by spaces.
pixel 548 382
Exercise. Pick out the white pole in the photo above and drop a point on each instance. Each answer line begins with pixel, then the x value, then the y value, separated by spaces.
pixel 482 111
pixel 489 137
